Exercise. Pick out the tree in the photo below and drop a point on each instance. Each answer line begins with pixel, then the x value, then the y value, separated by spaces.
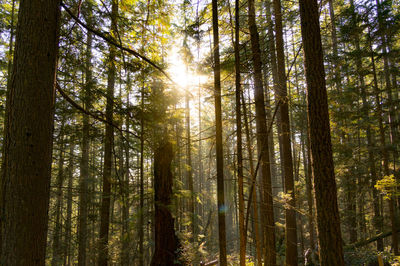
pixel 84 163
pixel 329 234
pixel 26 168
pixel 242 232
pixel 218 128
pixel 166 242
pixel 284 123
pixel 108 146
pixel 262 142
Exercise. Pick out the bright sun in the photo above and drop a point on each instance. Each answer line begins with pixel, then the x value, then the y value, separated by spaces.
pixel 180 73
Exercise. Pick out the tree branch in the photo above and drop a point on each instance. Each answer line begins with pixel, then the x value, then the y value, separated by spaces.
pixel 96 117
pixel 111 41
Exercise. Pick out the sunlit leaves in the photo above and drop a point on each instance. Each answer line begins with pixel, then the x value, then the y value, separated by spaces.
pixel 389 186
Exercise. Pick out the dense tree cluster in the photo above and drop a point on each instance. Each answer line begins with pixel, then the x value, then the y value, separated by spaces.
pixel 195 132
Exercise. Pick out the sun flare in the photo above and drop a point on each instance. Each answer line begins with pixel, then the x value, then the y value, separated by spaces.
pixel 181 74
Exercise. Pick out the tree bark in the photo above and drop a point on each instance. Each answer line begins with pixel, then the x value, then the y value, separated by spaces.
pixel 68 220
pixel 56 259
pixel 254 196
pixel 108 146
pixel 284 124
pixel 126 232
pixel 166 242
pixel 189 171
pixel 84 163
pixel 141 178
pixel 329 233
pixel 242 233
pixel 218 128
pixel 26 168
pixel 262 142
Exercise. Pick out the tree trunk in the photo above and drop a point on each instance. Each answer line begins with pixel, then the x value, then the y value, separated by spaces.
pixel 275 81
pixel 262 142
pixel 84 163
pixel 126 232
pixel 329 234
pixel 166 242
pixel 189 172
pixel 284 123
pixel 26 168
pixel 68 220
pixel 242 233
pixel 309 191
pixel 56 259
pixel 218 128
pixel 254 192
pixel 108 146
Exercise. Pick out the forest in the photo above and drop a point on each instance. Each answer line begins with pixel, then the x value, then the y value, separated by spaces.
pixel 199 132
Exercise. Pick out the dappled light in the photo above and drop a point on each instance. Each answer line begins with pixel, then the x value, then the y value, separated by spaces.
pixel 199 132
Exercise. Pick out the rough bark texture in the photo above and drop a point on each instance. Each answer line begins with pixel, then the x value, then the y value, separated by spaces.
pixel 284 123
pixel 27 158
pixel 166 242
pixel 108 146
pixel 329 234
pixel 218 128
pixel 262 142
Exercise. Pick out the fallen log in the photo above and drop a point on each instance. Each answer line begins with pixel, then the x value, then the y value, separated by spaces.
pixel 210 263
pixel 369 240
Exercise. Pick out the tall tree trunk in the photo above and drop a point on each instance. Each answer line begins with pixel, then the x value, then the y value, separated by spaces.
pixel 84 163
pixel 189 171
pixel 141 183
pixel 309 188
pixel 56 259
pixel 166 242
pixel 68 220
pixel 108 145
pixel 284 123
pixel 262 142
pixel 126 241
pixel 329 233
pixel 218 128
pixel 275 81
pixel 254 192
pixel 242 233
pixel 26 168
